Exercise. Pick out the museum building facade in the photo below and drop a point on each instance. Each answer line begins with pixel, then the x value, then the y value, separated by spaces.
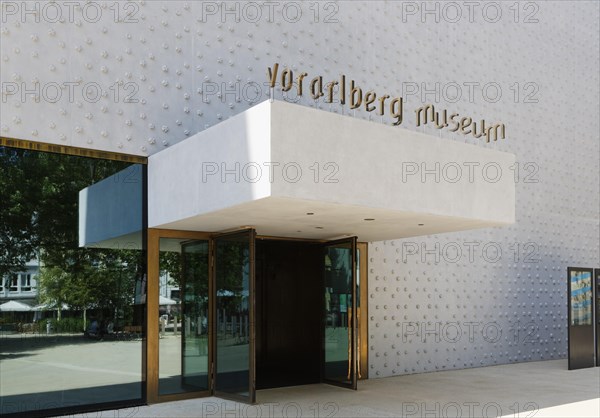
pixel 320 209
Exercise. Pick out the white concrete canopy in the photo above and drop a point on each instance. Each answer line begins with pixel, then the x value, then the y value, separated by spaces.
pixel 110 211
pixel 293 171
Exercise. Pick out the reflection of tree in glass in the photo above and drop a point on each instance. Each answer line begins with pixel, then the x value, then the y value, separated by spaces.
pixel 39 218
pixel 101 279
pixel 232 273
pixel 193 283
pixel 338 270
pixel 170 262
pixel 195 269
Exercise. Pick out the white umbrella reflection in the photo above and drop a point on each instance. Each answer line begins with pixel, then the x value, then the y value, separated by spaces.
pixel 14 306
pixel 166 301
pixel 38 309
pixel 48 307
pixel 225 292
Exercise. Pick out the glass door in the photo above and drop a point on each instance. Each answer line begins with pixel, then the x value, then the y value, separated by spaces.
pixel 182 313
pixel 194 315
pixel 233 315
pixel 339 313
pixel 178 296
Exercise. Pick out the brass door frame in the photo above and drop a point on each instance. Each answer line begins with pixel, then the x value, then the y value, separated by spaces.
pixel 152 324
pixel 71 150
pixel 363 313
pixel 273 238
pixel 152 306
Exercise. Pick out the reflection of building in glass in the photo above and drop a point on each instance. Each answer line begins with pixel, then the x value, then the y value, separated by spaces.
pixel 21 286
pixel 168 287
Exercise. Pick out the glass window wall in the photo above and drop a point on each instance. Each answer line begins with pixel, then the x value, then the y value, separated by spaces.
pixel 73 268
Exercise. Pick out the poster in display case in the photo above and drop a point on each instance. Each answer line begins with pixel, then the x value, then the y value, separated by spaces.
pixel 580 297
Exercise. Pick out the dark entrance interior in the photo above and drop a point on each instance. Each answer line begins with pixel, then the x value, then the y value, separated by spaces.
pixel 288 312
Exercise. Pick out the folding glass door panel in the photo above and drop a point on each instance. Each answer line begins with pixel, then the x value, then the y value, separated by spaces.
pixel 182 311
pixel 233 315
pixel 339 313
pixel 194 316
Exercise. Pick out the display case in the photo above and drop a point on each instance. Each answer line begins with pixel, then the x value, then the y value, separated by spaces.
pixel 597 319
pixel 580 296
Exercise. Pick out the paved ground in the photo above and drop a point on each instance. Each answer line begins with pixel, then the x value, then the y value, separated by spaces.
pixel 34 364
pixel 538 389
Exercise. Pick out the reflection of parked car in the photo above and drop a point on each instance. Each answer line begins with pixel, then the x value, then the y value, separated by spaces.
pixel 203 326
pixel 330 319
pixel 100 330
pixel 93 330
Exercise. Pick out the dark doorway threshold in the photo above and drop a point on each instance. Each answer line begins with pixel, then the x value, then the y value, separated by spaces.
pixel 288 313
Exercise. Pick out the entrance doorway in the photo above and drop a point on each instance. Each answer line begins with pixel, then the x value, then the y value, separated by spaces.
pixel 231 313
pixel 288 313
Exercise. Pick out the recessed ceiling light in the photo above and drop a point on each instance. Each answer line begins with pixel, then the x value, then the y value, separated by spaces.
pixel 369 219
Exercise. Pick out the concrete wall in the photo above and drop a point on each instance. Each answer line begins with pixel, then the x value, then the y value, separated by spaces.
pixel 110 211
pixel 544 61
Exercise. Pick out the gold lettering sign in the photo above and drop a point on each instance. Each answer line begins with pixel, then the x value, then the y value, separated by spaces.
pixel 337 90
pixel 465 125
pixel 353 94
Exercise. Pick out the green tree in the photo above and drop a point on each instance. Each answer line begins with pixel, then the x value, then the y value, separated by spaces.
pixel 19 237
pixel 39 197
